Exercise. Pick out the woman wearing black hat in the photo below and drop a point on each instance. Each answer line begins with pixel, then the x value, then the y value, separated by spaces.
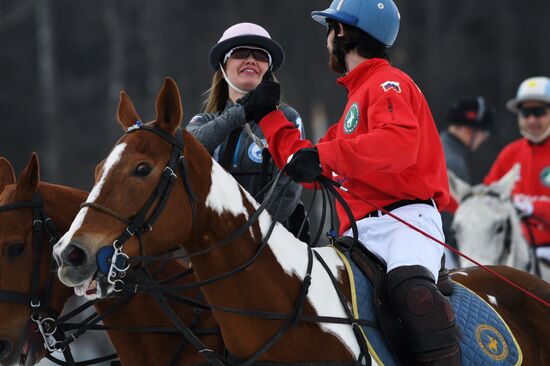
pixel 241 58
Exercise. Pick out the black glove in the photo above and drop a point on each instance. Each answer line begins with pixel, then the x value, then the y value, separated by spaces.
pixel 263 100
pixel 304 165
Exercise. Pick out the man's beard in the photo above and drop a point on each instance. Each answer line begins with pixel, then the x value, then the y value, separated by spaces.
pixel 334 64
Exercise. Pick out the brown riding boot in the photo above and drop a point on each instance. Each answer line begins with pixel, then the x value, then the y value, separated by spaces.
pixel 426 316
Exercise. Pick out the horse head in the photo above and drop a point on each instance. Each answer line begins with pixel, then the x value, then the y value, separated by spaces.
pixel 486 224
pixel 19 341
pixel 127 197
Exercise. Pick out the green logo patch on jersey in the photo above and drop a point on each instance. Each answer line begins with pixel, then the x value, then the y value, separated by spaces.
pixel 545 176
pixel 352 118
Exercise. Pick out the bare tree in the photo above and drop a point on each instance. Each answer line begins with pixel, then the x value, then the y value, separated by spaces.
pixel 48 88
pixel 151 35
pixel 116 37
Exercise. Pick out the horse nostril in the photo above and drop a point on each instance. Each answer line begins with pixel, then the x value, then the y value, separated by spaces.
pixel 5 348
pixel 74 255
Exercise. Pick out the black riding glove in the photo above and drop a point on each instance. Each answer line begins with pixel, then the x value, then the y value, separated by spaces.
pixel 304 166
pixel 264 99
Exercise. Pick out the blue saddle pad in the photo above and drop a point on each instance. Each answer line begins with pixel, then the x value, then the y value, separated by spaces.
pixel 486 339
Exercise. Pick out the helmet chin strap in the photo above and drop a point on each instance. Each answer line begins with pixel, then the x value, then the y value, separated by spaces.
pixel 246 128
pixel 230 83
pixel 535 139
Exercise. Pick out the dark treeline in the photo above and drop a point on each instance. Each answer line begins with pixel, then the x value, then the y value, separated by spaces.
pixel 63 63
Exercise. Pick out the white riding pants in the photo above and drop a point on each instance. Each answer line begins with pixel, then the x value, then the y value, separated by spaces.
pixel 397 244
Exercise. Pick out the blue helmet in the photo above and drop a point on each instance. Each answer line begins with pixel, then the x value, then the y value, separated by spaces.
pixel 379 18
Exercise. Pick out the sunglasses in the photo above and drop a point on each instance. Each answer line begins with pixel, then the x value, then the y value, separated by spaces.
pixel 242 53
pixel 535 111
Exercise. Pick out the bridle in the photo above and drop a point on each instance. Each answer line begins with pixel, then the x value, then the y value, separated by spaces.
pixel 115 269
pixel 42 315
pixel 112 261
pixel 46 321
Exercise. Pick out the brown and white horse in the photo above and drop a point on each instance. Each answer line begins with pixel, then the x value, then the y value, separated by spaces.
pixel 205 207
pixel 16 262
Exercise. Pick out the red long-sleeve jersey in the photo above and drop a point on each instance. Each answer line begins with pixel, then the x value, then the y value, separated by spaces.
pixel 384 148
pixel 534 181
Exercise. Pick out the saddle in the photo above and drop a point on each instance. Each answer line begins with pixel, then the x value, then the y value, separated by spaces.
pixel 375 271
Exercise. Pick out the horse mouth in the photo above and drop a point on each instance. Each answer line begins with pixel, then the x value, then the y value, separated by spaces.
pixel 96 287
pixel 88 288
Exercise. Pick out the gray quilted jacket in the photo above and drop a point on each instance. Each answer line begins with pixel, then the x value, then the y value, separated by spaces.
pixel 213 129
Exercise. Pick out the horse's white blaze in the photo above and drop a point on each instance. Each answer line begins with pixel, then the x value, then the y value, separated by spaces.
pixel 492 299
pixel 110 162
pixel 225 194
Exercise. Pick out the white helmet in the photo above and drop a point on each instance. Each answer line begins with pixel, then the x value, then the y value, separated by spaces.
pixel 535 89
pixel 532 89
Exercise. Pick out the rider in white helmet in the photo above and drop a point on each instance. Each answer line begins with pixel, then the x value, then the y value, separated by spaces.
pixel 531 193
pixel 240 59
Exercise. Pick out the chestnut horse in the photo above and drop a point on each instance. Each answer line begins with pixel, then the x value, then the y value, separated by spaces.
pixel 243 258
pixel 17 339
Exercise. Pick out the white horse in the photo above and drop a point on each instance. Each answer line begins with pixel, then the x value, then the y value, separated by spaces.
pixel 487 226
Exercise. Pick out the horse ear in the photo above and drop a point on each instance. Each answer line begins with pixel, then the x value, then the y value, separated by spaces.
pixel 459 188
pixel 126 112
pixel 29 178
pixel 506 184
pixel 169 110
pixel 7 175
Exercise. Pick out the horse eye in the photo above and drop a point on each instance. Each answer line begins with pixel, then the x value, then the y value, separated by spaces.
pixel 15 250
pixel 500 228
pixel 142 170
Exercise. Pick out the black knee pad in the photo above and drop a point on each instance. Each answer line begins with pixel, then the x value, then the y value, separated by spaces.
pixel 426 315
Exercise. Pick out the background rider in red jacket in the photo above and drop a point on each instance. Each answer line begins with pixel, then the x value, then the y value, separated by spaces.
pixel 531 194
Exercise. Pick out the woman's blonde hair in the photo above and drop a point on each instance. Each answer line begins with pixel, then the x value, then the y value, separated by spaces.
pixel 216 95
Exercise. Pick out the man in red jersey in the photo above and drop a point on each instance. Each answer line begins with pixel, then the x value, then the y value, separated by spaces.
pixel 531 193
pixel 386 151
